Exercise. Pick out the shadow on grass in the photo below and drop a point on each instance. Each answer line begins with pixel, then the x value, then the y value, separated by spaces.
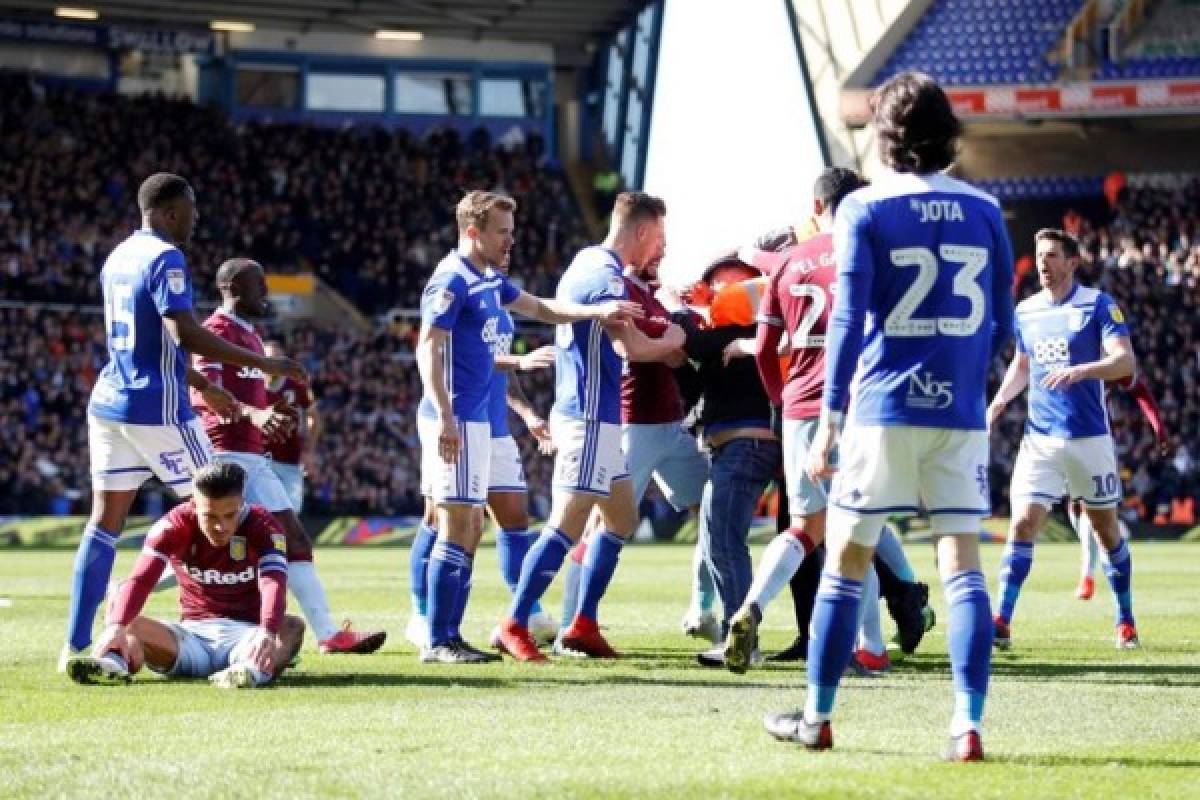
pixel 1052 760
pixel 1106 673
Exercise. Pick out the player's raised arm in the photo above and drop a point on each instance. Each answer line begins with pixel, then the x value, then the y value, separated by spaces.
pixel 541 358
pixel 189 334
pixel 1118 361
pixel 558 312
pixel 633 345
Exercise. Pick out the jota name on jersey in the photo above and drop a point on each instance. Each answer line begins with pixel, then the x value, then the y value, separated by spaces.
pixel 936 210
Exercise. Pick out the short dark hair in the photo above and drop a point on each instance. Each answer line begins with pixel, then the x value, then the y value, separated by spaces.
pixel 161 189
pixel 218 480
pixel 833 184
pixel 916 124
pixel 637 206
pixel 1070 246
pixel 231 268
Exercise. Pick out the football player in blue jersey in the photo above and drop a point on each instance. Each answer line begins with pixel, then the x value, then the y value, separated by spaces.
pixel 460 326
pixel 140 421
pixel 585 424
pixel 1070 340
pixel 924 300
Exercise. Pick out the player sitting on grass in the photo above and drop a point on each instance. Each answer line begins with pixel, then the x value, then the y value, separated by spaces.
pixel 229 559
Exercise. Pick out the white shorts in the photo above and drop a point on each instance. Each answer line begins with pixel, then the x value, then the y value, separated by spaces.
pixel 900 469
pixel 125 456
pixel 589 455
pixel 208 645
pixel 507 473
pixel 262 484
pixel 464 481
pixel 1048 467
pixel 291 476
pixel 805 496
pixel 667 453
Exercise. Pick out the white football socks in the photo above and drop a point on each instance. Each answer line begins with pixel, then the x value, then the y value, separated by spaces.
pixel 306 587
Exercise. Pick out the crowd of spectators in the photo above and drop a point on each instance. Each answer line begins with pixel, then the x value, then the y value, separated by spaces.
pixel 370 212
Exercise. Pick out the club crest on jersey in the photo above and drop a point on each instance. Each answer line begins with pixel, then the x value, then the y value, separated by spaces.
pixel 237 548
pixel 927 393
pixel 252 374
pixel 279 542
pixel 442 300
pixel 176 281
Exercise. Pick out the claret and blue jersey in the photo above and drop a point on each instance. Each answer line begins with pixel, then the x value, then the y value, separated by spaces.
pixel 464 301
pixel 925 262
pixel 145 380
pixel 588 369
pixel 1067 334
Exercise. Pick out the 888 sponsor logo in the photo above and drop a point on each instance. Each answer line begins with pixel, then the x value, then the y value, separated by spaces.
pixel 1052 350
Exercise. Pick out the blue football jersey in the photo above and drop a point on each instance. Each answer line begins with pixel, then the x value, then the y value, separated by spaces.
pixel 462 300
pixel 145 380
pixel 498 392
pixel 587 368
pixel 924 299
pixel 1064 335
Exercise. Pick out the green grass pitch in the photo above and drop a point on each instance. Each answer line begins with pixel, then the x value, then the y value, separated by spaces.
pixel 1068 716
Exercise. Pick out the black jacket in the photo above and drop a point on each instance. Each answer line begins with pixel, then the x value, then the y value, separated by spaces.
pixel 727 393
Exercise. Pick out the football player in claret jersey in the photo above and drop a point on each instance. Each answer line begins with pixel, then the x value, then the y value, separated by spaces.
pixel 140 420
pixel 241 439
pixel 293 455
pixel 229 559
pixel 1070 339
pixel 798 301
pixel 459 327
pixel 589 466
pixel 924 301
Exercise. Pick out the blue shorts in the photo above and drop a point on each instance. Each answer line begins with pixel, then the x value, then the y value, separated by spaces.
pixel 665 452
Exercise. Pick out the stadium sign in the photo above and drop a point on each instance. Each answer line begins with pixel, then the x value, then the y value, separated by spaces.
pixel 112 37
pixel 1107 98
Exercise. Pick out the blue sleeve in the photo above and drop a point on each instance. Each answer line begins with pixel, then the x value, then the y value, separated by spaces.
pixel 169 282
pixel 1020 339
pixel 507 292
pixel 855 259
pixel 1112 321
pixel 443 300
pixel 1003 316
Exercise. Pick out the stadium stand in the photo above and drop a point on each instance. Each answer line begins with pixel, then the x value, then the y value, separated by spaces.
pixel 1165 45
pixel 983 42
pixel 284 195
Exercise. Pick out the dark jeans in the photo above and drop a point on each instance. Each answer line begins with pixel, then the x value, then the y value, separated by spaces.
pixel 741 470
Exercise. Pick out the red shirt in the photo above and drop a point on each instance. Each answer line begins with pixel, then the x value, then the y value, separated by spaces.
pixel 220 583
pixel 246 384
pixel 294 393
pixel 649 393
pixel 799 300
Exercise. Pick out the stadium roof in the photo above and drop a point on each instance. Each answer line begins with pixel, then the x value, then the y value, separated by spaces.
pixel 563 23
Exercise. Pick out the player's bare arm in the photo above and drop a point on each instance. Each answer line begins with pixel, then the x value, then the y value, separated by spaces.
pixel 217 398
pixel 1118 363
pixel 431 356
pixel 541 358
pixel 559 312
pixel 189 334
pixel 1016 378
pixel 519 402
pixel 633 345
